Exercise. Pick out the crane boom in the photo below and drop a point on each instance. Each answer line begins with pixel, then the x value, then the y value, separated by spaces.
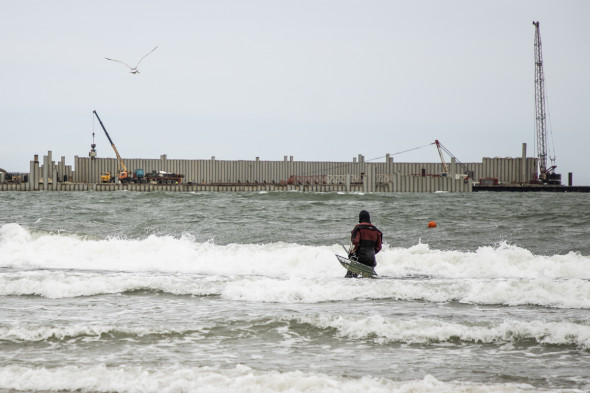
pixel 124 168
pixel 541 118
pixel 441 148
pixel 442 158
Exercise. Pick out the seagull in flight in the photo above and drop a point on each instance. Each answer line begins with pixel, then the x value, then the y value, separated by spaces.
pixel 134 70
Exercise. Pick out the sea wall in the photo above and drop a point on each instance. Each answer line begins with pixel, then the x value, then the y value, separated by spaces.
pixel 358 175
pixel 213 171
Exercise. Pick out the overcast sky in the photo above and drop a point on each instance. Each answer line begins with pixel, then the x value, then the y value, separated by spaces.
pixel 321 80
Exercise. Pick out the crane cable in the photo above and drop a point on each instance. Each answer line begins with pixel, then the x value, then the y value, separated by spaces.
pixel 453 156
pixel 400 152
pixel 372 159
pixel 552 147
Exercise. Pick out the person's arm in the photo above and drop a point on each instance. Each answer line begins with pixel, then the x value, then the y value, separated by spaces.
pixel 378 243
pixel 355 239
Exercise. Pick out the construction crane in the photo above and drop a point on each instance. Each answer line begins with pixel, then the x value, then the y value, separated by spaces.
pixel 467 172
pixel 123 173
pixel 545 174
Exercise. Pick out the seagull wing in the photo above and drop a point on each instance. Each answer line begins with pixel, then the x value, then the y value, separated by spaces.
pixel 144 56
pixel 119 61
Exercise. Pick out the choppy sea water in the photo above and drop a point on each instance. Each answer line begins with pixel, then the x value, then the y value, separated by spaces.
pixel 218 292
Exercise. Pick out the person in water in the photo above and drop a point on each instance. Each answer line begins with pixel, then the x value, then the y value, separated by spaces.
pixel 366 241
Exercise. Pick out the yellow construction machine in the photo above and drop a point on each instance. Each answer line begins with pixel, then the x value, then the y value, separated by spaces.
pixel 106 177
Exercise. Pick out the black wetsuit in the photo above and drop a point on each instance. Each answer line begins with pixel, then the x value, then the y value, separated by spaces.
pixel 367 241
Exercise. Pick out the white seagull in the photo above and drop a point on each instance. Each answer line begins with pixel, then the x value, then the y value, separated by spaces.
pixel 134 70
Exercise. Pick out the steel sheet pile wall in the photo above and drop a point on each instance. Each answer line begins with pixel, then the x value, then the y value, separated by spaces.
pixel 225 172
pixel 508 170
pixel 401 183
pixel 356 175
pixel 49 174
pixel 252 175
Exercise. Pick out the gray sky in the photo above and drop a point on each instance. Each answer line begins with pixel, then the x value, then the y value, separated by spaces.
pixel 320 80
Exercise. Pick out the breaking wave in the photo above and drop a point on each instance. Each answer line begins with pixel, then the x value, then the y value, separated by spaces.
pixel 66 265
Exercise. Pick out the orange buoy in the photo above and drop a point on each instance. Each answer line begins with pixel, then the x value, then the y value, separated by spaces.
pixel 432 224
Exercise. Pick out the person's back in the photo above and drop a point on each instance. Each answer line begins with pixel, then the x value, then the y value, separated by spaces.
pixel 366 239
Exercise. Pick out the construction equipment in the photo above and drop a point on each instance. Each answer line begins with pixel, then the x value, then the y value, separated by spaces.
pixel 138 176
pixel 545 174
pixel 161 177
pixel 442 158
pixel 466 172
pixel 107 177
pixel 123 173
pixel 11 177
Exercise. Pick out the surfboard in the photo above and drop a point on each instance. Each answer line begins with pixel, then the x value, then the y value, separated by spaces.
pixel 356 267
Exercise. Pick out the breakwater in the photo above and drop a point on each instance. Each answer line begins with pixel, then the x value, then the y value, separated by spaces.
pixel 358 175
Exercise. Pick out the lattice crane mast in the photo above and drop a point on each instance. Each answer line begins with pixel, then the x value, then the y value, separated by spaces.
pixel 545 174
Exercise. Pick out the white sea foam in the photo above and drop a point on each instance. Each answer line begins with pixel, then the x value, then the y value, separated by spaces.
pixel 425 330
pixel 211 379
pixel 375 327
pixel 19 249
pixel 64 284
pixel 57 266
pixel 28 332
pixel 503 261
